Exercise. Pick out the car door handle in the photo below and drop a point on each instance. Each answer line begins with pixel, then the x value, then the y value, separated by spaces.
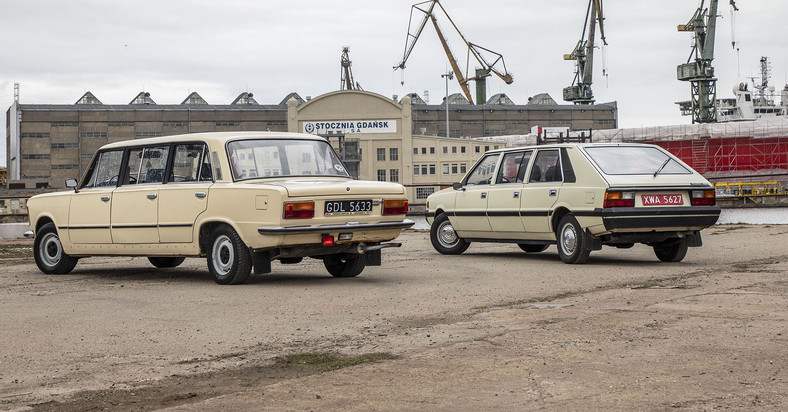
pixel 200 194
pixel 516 195
pixel 484 195
pixel 552 192
pixel 152 196
pixel 105 198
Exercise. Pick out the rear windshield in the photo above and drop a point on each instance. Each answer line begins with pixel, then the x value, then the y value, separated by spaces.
pixel 635 160
pixel 257 158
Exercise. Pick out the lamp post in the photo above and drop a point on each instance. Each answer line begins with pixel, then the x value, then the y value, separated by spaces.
pixel 448 76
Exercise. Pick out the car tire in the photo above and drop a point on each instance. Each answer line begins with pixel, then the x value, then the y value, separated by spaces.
pixel 444 239
pixel 344 266
pixel 671 251
pixel 229 260
pixel 571 240
pixel 529 248
pixel 166 262
pixel 48 252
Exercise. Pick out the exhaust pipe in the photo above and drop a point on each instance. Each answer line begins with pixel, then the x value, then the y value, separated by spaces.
pixel 363 248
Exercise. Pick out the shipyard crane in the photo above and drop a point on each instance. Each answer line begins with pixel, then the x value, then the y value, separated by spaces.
pixel 700 72
pixel 347 82
pixel 493 63
pixel 580 91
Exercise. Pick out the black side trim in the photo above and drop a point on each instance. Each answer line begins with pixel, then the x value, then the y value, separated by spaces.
pixel 503 213
pixel 472 213
pixel 134 227
pixel 527 242
pixel 177 225
pixel 535 214
pixel 83 227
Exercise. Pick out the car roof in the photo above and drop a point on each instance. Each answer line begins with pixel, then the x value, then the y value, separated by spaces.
pixel 212 138
pixel 579 145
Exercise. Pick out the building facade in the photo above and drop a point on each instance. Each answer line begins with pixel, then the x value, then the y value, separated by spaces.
pixel 378 137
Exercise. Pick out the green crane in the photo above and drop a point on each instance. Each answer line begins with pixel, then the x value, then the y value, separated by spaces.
pixel 580 91
pixel 700 72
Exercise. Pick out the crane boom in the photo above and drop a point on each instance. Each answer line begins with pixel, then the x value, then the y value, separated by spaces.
pixel 489 65
pixel 700 72
pixel 580 91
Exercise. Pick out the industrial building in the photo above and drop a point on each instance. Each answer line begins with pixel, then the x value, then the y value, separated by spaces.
pixel 47 144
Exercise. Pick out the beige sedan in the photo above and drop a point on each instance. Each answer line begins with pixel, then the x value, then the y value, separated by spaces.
pixel 242 200
pixel 578 196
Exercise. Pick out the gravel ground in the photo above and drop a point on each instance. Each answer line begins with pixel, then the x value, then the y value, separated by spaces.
pixel 494 328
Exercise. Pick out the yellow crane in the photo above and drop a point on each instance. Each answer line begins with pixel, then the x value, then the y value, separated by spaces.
pixel 493 63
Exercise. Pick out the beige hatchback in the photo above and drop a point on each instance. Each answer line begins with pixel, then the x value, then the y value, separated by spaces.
pixel 242 200
pixel 580 196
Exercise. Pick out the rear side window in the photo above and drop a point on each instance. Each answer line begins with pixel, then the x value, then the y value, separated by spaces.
pixel 635 160
pixel 190 163
pixel 546 167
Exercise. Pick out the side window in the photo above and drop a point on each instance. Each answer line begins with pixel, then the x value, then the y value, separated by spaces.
pixel 187 159
pixel 546 167
pixel 513 166
pixel 105 170
pixel 147 164
pixel 482 174
pixel 206 173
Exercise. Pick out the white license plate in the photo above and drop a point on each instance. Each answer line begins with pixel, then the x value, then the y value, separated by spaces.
pixel 662 200
pixel 347 207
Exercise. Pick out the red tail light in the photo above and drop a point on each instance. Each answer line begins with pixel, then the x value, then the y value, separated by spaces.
pixel 299 210
pixel 703 198
pixel 619 199
pixel 395 207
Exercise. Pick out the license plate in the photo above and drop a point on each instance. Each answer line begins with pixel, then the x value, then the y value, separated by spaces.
pixel 347 207
pixel 661 200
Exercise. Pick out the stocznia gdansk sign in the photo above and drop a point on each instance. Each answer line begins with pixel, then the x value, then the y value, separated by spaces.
pixel 351 126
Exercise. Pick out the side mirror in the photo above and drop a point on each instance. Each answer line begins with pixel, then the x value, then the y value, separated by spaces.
pixel 72 183
pixel 456 185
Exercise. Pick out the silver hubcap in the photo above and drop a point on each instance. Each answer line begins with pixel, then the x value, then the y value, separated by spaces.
pixel 446 234
pixel 51 250
pixel 223 255
pixel 568 238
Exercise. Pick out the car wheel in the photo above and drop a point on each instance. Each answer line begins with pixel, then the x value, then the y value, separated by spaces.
pixel 229 260
pixel 166 262
pixel 571 240
pixel 532 248
pixel 444 238
pixel 342 266
pixel 48 252
pixel 671 251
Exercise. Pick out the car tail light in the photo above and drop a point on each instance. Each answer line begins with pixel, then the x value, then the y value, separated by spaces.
pixel 299 210
pixel 703 198
pixel 619 199
pixel 328 240
pixel 395 207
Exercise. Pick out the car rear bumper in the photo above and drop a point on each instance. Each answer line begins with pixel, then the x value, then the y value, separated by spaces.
pixel 347 227
pixel 656 218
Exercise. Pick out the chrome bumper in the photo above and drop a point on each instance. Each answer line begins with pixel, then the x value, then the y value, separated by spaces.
pixel 347 227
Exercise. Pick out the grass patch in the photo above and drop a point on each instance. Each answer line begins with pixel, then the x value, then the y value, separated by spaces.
pixel 16 251
pixel 328 361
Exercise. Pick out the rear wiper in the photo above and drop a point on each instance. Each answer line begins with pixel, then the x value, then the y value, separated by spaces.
pixel 662 167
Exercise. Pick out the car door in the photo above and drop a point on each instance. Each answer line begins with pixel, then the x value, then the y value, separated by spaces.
pixel 185 195
pixel 89 212
pixel 135 205
pixel 503 200
pixel 470 212
pixel 541 191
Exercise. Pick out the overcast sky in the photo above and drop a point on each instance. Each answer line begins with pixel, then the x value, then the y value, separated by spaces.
pixel 57 50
